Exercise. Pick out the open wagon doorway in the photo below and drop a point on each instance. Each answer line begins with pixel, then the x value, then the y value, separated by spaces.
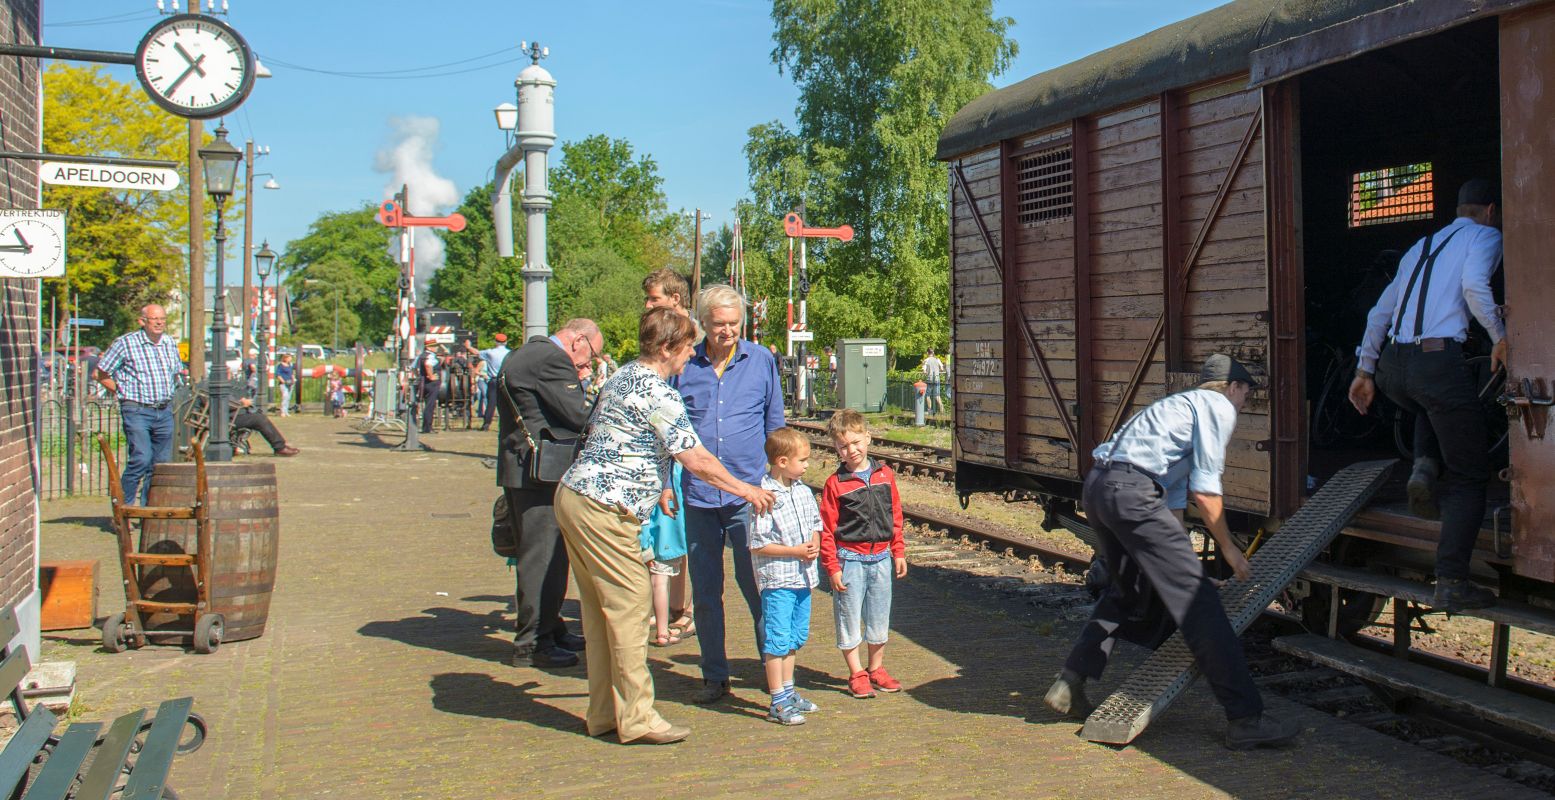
pixel 1387 137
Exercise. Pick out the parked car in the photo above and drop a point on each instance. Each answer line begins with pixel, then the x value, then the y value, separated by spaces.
pixel 314 351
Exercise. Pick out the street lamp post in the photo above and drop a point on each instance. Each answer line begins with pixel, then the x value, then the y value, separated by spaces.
pixel 219 164
pixel 251 154
pixel 264 263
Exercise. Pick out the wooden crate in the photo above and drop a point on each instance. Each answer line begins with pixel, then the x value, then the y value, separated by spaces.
pixel 69 594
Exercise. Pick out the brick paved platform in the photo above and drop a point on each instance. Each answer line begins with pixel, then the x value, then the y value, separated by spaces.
pixel 384 673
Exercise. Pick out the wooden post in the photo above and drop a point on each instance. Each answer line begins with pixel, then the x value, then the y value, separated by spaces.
pixel 194 312
pixel 696 262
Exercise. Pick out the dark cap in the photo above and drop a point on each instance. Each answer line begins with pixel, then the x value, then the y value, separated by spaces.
pixel 1221 367
pixel 1478 192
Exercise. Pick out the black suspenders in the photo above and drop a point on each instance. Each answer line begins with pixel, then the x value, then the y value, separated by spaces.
pixel 1422 274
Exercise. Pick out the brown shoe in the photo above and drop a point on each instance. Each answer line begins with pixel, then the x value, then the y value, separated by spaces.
pixel 670 735
pixel 287 451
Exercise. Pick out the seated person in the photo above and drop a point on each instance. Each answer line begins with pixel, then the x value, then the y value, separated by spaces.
pixel 245 416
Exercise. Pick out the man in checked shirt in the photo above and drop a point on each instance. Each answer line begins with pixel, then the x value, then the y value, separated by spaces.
pixel 139 368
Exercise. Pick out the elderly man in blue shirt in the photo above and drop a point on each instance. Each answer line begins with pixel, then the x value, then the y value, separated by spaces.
pixel 140 369
pixel 1134 498
pixel 734 398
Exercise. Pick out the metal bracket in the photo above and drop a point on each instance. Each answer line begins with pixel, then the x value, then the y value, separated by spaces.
pixel 1502 544
pixel 1530 404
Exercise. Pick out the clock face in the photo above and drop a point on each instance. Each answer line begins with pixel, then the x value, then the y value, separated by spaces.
pixel 195 66
pixel 32 247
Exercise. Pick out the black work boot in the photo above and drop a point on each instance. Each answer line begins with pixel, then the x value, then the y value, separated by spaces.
pixel 711 692
pixel 1422 488
pixel 1067 696
pixel 1460 594
pixel 1260 730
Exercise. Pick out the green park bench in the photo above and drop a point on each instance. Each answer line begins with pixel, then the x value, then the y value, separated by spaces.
pixel 132 758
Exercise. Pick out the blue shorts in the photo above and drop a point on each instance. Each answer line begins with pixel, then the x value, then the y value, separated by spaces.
pixel 785 620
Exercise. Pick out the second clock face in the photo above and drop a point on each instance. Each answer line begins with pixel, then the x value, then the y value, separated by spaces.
pixel 195 66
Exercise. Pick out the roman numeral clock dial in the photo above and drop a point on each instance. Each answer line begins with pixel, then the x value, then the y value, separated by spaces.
pixel 195 66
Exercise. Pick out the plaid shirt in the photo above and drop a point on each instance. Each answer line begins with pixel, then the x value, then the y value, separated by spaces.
pixel 143 371
pixel 794 517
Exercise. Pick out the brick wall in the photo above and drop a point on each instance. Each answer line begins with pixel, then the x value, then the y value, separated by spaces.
pixel 19 130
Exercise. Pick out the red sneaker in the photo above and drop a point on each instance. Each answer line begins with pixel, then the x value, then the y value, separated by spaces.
pixel 883 680
pixel 858 685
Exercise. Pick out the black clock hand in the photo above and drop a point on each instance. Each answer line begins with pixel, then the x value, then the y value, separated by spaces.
pixel 173 87
pixel 13 248
pixel 193 62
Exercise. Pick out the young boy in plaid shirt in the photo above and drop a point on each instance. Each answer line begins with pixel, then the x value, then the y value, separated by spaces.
pixel 784 545
pixel 862 550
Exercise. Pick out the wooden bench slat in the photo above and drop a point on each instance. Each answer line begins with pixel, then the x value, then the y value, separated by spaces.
pixel 104 772
pixel 151 766
pixel 9 627
pixel 23 747
pixel 12 671
pixel 59 771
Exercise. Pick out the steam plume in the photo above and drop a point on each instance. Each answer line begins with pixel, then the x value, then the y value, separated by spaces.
pixel 407 160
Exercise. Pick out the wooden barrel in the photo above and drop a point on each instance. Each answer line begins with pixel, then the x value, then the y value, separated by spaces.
pixel 245 527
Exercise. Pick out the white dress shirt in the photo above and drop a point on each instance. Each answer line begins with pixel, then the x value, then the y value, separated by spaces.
pixel 1460 285
pixel 1180 440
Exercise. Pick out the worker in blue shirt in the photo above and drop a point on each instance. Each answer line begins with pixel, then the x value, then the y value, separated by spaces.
pixel 1134 498
pixel 735 399
pixel 1423 316
pixel 493 357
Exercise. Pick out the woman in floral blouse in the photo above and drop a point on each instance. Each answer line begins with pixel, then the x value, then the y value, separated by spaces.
pixel 639 425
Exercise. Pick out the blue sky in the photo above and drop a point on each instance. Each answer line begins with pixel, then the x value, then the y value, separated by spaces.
pixel 682 81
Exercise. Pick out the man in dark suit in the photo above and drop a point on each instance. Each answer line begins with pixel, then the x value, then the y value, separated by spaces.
pixel 540 396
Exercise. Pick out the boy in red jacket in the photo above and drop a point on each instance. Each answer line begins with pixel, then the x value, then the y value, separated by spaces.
pixel 861 550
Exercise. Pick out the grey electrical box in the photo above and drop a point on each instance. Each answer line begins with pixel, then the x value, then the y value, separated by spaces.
pixel 861 367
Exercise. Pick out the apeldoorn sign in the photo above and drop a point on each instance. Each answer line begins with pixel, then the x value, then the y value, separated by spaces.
pixel 110 177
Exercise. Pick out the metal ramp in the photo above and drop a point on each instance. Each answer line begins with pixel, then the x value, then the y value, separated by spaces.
pixel 1170 669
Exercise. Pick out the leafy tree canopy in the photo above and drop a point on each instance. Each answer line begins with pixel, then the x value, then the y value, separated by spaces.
pixel 345 251
pixel 878 80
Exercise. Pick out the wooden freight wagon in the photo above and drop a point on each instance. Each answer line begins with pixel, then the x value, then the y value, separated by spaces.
pixel 1244 181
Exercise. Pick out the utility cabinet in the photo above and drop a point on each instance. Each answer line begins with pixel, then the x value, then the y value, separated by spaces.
pixel 861 370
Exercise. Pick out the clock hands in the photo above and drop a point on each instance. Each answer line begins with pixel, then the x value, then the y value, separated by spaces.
pixel 24 247
pixel 194 63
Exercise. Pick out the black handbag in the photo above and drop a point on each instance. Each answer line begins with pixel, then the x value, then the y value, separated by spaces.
pixel 549 459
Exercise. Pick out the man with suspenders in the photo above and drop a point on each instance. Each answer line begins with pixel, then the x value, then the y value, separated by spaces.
pixel 1423 316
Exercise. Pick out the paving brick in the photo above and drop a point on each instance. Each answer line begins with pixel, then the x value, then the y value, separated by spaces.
pixel 384 673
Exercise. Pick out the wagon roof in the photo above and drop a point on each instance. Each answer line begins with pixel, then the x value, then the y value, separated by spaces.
pixel 1214 44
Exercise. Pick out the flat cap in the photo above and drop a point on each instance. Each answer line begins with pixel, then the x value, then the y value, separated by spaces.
pixel 1221 367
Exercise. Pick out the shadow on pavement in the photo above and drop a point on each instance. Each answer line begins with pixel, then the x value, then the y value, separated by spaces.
pixel 478 695
pixel 452 630
pixel 104 523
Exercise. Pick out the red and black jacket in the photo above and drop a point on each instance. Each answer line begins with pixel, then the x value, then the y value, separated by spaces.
pixel 862 518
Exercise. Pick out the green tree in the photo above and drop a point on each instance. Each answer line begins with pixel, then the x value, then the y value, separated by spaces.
pixel 349 250
pixel 126 247
pixel 878 80
pixel 474 279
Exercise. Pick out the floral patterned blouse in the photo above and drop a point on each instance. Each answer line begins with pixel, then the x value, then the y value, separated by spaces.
pixel 639 424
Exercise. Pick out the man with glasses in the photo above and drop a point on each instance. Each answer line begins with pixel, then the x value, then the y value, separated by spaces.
pixel 139 368
pixel 539 397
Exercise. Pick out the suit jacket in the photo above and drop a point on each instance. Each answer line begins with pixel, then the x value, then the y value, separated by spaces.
pixel 545 386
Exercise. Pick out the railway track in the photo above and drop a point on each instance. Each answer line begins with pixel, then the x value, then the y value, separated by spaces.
pixel 925 461
pixel 975 560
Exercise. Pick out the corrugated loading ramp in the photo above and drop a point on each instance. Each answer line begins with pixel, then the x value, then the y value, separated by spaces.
pixel 1170 669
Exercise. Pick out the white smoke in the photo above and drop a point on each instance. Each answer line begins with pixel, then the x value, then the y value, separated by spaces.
pixel 407 160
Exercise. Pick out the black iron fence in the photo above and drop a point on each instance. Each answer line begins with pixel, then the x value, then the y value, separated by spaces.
pixel 70 461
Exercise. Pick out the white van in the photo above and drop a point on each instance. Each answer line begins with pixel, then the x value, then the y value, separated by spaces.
pixel 312 351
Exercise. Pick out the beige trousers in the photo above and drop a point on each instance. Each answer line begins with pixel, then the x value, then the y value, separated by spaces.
pixel 616 597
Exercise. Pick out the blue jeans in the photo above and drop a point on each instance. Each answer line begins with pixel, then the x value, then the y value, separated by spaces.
pixel 148 437
pixel 866 603
pixel 707 531
pixel 785 616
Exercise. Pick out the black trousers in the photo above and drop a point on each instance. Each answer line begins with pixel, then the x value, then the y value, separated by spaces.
pixel 542 567
pixel 1144 544
pixel 1438 388
pixel 255 421
pixel 429 391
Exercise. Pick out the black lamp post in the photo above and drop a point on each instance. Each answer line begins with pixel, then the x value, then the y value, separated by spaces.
pixel 264 263
pixel 219 161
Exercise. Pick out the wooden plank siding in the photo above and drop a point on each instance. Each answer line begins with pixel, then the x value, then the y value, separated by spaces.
pixel 1145 177
pixel 977 310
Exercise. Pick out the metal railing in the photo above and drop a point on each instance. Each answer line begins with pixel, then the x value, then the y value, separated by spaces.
pixel 70 462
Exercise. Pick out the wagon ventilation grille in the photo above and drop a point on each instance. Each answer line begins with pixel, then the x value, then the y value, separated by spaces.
pixel 1044 185
pixel 1393 194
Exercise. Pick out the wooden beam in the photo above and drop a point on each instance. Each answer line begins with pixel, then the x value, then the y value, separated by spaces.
pixel 1084 377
